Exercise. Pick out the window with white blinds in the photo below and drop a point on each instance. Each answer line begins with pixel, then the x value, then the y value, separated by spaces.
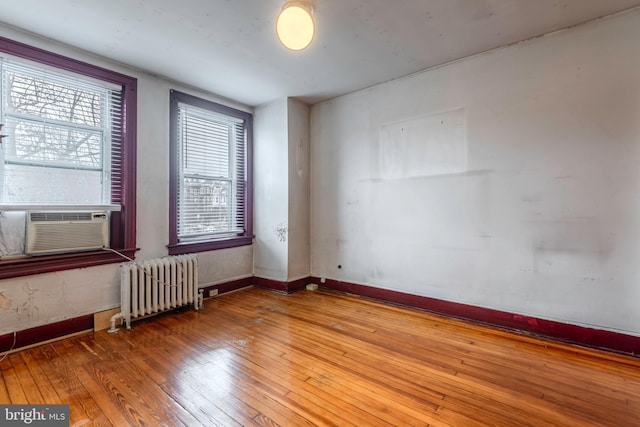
pixel 62 132
pixel 209 148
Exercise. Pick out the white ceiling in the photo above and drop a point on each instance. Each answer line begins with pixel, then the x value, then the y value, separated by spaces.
pixel 229 47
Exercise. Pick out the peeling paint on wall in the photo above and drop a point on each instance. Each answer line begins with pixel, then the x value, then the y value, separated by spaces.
pixel 28 310
pixel 5 302
pixel 281 232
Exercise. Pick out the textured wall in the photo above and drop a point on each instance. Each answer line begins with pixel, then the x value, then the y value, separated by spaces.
pixel 271 183
pixel 538 209
pixel 299 185
pixel 281 175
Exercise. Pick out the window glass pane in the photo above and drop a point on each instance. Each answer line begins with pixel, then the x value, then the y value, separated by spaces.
pixel 55 185
pixel 55 145
pixel 48 99
pixel 205 207
pixel 206 191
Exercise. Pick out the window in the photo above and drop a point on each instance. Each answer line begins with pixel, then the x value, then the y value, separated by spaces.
pixel 210 192
pixel 70 141
pixel 60 131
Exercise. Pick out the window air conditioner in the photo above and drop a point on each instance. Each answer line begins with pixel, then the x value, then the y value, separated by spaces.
pixel 55 232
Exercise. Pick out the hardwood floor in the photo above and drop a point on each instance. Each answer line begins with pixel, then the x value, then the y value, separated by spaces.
pixel 257 357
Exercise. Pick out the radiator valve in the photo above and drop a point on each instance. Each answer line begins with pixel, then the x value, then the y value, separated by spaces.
pixel 115 317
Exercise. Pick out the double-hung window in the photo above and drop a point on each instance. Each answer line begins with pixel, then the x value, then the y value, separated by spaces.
pixel 210 175
pixel 68 145
pixel 61 131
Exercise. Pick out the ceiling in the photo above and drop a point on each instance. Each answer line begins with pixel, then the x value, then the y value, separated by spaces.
pixel 229 47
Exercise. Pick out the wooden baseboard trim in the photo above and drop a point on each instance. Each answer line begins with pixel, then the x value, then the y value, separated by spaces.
pixel 45 333
pixel 286 287
pixel 567 333
pixel 231 286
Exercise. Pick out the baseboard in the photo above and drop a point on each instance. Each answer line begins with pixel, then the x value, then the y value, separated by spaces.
pixel 44 333
pixel 52 331
pixel 286 287
pixel 589 337
pixel 230 286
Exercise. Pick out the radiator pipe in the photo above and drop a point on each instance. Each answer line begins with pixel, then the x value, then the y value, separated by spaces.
pixel 115 317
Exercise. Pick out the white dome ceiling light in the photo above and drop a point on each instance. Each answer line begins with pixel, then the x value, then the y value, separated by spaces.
pixel 295 26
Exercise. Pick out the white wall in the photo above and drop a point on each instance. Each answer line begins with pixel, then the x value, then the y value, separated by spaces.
pixel 299 189
pixel 281 199
pixel 271 190
pixel 36 300
pixel 538 210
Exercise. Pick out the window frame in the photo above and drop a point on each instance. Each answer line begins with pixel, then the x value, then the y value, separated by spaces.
pixel 175 246
pixel 123 222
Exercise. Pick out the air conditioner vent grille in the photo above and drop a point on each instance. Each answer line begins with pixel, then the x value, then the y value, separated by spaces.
pixel 60 216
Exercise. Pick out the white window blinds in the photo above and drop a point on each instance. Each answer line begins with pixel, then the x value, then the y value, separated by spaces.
pixel 211 184
pixel 64 132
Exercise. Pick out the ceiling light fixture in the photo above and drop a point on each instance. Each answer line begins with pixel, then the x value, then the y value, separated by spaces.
pixel 295 26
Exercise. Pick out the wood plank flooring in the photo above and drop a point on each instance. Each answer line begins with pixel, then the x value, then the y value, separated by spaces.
pixel 318 358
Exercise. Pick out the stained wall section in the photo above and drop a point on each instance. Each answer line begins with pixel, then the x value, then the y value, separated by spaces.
pixel 508 180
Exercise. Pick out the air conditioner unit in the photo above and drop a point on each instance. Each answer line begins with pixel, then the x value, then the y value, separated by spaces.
pixel 56 232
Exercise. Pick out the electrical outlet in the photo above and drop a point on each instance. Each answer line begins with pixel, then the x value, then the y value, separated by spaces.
pixel 323 280
pixel 213 293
